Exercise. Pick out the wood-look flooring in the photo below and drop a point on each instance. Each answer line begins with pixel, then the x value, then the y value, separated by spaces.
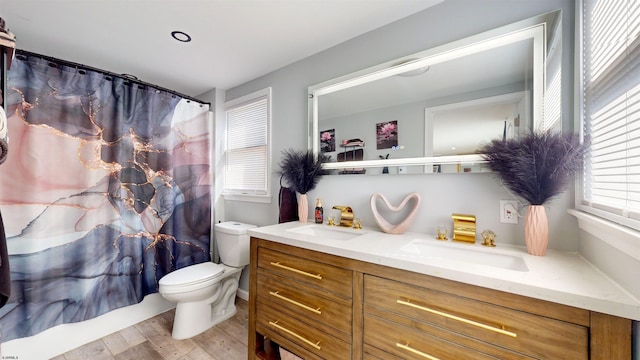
pixel 151 340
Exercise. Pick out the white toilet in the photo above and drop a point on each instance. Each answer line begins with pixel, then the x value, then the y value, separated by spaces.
pixel 205 293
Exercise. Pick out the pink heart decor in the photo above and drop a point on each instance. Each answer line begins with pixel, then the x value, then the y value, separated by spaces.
pixel 402 226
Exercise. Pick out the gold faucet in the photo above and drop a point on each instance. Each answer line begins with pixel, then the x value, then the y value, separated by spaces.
pixel 346 215
pixel 464 227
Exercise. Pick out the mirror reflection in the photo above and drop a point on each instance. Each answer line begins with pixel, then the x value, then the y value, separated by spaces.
pixel 429 112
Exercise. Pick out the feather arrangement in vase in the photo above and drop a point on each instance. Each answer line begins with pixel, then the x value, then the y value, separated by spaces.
pixel 302 171
pixel 536 167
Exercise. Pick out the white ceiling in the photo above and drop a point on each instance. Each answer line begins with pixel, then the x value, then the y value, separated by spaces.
pixel 234 41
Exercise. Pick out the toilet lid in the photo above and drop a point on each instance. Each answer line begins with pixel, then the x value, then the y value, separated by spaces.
pixel 192 274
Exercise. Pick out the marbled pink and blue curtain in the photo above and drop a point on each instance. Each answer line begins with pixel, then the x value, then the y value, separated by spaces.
pixel 106 188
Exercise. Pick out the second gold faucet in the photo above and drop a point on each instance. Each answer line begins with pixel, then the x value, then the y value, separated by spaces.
pixel 346 215
pixel 464 227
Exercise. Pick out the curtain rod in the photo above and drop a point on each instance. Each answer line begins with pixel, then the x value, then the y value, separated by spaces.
pixel 105 72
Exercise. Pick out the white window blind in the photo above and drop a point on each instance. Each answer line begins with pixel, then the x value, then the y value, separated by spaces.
pixel 247 148
pixel 611 109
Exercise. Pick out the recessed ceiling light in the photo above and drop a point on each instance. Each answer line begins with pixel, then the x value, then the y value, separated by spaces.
pixel 181 36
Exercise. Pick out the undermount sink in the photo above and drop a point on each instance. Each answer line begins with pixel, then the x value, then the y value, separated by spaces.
pixel 327 232
pixel 444 254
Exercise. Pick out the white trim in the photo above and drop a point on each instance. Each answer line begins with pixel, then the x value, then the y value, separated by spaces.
pixel 247 98
pixel 620 237
pixel 242 294
pixel 264 199
pixel 451 159
pixel 219 146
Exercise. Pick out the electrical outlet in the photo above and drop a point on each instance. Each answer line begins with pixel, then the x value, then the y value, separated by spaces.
pixel 509 211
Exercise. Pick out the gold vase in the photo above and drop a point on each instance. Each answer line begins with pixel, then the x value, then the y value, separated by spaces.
pixel 536 230
pixel 303 208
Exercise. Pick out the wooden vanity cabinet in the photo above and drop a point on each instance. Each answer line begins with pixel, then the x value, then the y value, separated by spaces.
pixel 454 326
pixel 322 306
pixel 301 304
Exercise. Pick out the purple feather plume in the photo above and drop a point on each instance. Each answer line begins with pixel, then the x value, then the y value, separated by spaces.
pixel 536 166
pixel 301 170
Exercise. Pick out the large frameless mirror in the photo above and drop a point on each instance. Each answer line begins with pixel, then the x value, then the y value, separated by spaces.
pixel 431 111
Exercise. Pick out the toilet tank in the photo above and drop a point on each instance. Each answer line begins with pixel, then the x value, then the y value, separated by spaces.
pixel 233 243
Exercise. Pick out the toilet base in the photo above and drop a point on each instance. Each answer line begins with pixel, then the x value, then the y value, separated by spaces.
pixel 193 318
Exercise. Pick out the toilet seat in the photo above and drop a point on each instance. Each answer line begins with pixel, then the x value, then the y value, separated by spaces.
pixel 192 275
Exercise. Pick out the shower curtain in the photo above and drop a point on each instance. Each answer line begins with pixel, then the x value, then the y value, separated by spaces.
pixel 106 188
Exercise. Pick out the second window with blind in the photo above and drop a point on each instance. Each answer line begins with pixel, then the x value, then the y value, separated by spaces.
pixel 611 109
pixel 247 148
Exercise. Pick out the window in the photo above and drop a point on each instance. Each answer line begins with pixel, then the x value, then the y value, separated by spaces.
pixel 611 109
pixel 247 147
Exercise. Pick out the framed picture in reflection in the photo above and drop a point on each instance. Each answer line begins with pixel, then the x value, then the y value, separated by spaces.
pixel 387 135
pixel 328 140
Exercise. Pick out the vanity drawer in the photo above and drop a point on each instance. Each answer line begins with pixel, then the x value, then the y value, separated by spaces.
pixel 529 334
pixel 318 306
pixel 279 325
pixel 408 343
pixel 319 275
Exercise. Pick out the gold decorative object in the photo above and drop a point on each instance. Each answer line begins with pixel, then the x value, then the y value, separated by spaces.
pixel 464 227
pixel 331 221
pixel 356 224
pixel 488 238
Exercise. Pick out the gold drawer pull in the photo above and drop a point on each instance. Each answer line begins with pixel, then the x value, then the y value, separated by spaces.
pixel 417 352
pixel 466 321
pixel 318 276
pixel 275 325
pixel 277 294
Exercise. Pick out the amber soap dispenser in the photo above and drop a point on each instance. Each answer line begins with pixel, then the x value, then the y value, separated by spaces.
pixel 319 212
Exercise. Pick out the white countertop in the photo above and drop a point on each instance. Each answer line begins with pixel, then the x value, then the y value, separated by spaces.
pixel 560 277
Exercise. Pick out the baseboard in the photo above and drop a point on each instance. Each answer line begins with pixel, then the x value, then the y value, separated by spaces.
pixel 243 294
